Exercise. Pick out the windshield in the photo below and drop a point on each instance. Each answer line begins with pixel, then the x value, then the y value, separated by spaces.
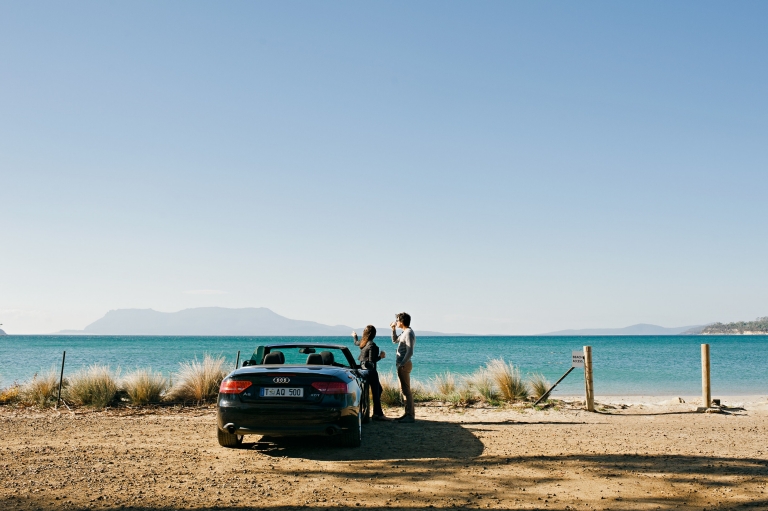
pixel 316 355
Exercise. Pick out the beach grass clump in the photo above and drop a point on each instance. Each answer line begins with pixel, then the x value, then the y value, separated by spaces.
pixel 42 390
pixel 10 395
pixel 539 385
pixel 199 381
pixel 145 386
pixel 94 386
pixel 508 380
pixel 444 385
pixel 484 386
pixel 464 395
pixel 390 395
pixel 421 393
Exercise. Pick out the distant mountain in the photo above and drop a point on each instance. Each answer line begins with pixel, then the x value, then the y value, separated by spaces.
pixel 206 321
pixel 639 329
pixel 2 332
pixel 215 321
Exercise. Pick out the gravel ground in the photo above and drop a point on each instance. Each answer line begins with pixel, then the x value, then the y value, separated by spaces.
pixel 635 456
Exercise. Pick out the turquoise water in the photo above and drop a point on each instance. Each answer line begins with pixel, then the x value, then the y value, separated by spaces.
pixel 632 365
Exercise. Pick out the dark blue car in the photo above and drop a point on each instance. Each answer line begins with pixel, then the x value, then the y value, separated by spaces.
pixel 294 389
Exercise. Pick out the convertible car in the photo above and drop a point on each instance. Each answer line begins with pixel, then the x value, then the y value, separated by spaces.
pixel 294 389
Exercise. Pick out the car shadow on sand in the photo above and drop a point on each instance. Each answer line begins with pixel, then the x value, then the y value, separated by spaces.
pixel 381 441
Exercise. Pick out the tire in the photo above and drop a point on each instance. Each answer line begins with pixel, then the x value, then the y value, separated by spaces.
pixel 365 404
pixel 352 436
pixel 227 439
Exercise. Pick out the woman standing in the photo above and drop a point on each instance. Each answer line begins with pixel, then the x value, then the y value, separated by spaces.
pixel 369 356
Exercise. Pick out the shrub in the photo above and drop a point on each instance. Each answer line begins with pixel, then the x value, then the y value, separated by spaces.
pixel 390 395
pixel 444 385
pixel 93 386
pixel 199 381
pixel 508 380
pixel 10 395
pixel 539 385
pixel 482 382
pixel 42 390
pixel 145 386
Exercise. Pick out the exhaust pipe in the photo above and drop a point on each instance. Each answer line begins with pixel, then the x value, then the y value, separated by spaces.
pixel 333 430
pixel 231 428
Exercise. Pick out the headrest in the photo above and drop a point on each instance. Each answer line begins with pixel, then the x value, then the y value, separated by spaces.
pixel 274 357
pixel 327 358
pixel 315 359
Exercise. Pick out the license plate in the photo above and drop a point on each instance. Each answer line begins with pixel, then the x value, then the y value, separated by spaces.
pixel 282 392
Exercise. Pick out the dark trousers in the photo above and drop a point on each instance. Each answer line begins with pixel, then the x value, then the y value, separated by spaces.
pixel 376 390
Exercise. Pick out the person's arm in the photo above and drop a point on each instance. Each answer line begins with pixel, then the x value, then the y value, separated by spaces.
pixel 394 335
pixel 409 341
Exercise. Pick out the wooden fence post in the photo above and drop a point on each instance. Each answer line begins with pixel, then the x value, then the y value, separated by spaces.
pixel 706 389
pixel 588 384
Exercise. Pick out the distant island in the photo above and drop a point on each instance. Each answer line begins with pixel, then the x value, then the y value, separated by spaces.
pixel 757 327
pixel 2 332
pixel 217 321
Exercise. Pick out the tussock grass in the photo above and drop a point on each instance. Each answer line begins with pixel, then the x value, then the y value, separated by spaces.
pixel 390 395
pixel 463 396
pixel 421 393
pixel 145 386
pixel 42 390
pixel 199 381
pixel 93 386
pixel 484 386
pixel 10 395
pixel 539 385
pixel 508 380
pixel 444 385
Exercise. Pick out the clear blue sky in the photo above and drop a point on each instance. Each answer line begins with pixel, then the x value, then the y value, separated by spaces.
pixel 490 167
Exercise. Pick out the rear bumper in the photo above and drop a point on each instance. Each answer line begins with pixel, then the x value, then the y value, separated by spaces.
pixel 253 420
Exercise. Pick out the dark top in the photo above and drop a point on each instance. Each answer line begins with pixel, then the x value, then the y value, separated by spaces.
pixel 368 353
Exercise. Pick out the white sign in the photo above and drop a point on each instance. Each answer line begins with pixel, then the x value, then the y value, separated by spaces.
pixel 577 359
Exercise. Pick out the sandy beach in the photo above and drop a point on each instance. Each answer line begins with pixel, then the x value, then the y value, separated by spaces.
pixel 636 453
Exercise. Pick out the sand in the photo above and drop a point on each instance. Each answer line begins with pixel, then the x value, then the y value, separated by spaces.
pixel 636 453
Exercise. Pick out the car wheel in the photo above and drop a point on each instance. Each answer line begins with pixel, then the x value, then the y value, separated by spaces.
pixel 227 439
pixel 352 436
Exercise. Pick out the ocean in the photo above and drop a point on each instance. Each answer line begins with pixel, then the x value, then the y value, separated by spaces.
pixel 623 365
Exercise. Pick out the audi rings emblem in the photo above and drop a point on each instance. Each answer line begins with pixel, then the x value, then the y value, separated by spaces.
pixel 281 380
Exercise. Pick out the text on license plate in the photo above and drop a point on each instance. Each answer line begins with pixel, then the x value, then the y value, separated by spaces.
pixel 282 392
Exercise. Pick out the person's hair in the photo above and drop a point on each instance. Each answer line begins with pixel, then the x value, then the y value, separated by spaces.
pixel 368 335
pixel 404 318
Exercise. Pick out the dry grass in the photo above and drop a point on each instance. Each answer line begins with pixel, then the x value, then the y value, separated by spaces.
pixel 145 386
pixel 539 385
pixel 199 381
pixel 93 386
pixel 508 380
pixel 444 385
pixel 483 384
pixel 10 395
pixel 42 390
pixel 390 395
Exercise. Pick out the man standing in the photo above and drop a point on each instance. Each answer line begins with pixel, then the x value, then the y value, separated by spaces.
pixel 405 343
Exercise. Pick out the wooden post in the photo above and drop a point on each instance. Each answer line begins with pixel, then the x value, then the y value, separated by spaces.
pixel 237 362
pixel 706 389
pixel 589 388
pixel 61 379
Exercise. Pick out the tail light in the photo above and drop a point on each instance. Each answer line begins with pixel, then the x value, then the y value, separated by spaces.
pixel 233 386
pixel 330 387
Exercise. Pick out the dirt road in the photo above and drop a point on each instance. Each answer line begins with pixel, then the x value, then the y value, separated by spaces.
pixel 637 458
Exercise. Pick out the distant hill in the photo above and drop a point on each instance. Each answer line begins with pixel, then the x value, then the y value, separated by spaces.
pixel 2 332
pixel 206 321
pixel 214 321
pixel 757 327
pixel 639 329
